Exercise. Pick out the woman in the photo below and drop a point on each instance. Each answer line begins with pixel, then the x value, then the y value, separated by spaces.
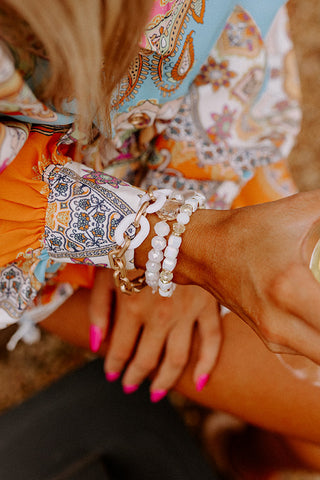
pixel 159 124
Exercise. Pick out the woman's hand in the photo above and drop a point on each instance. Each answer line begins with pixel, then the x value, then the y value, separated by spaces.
pixel 255 260
pixel 153 335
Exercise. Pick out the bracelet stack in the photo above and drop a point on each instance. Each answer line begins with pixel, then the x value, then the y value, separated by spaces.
pixel 151 202
pixel 191 204
pixel 162 258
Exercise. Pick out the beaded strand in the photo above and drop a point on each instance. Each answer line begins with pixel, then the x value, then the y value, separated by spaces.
pixel 165 283
pixel 155 256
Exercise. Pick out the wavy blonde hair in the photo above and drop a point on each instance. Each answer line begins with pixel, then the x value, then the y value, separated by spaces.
pixel 89 43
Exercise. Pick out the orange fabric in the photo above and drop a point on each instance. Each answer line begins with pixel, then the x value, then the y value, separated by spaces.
pixel 184 159
pixel 268 184
pixel 23 195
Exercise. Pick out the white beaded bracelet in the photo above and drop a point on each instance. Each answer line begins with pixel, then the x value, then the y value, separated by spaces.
pixel 155 255
pixel 191 204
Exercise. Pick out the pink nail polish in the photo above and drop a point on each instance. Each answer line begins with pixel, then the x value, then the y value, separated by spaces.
pixel 95 337
pixel 202 381
pixel 157 395
pixel 112 376
pixel 130 388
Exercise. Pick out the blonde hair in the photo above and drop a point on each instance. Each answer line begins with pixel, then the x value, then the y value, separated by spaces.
pixel 89 43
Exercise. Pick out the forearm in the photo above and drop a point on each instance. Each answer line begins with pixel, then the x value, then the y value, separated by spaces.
pixel 254 260
pixel 201 250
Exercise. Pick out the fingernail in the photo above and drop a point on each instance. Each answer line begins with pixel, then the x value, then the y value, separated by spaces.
pixel 95 337
pixel 202 381
pixel 112 376
pixel 130 388
pixel 157 395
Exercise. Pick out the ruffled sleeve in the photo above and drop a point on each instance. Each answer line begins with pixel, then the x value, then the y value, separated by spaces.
pixel 84 209
pixel 54 211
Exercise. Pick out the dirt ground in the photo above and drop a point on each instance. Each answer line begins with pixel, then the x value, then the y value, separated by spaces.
pixel 30 368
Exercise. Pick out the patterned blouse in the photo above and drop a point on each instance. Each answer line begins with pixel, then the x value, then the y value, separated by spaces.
pixel 211 102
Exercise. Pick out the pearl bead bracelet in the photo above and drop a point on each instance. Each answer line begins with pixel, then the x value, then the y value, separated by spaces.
pixel 163 280
pixel 155 255
pixel 166 285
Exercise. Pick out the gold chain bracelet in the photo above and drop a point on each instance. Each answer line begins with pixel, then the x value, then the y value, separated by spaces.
pixel 117 258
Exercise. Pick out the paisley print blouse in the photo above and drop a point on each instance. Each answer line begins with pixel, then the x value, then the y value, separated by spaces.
pixel 211 102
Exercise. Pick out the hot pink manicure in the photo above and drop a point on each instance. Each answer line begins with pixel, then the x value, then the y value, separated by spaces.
pixel 112 376
pixel 130 388
pixel 157 395
pixel 95 337
pixel 202 381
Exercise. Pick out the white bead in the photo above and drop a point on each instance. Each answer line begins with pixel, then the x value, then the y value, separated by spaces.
pixel 193 202
pixel 169 264
pixel 153 266
pixel 155 255
pixel 153 285
pixel 183 218
pixel 200 197
pixel 165 293
pixel 152 277
pixel 164 286
pixel 174 241
pixel 162 229
pixel 185 208
pixel 171 252
pixel 158 243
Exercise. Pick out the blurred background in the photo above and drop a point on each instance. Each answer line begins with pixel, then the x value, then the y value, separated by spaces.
pixel 28 369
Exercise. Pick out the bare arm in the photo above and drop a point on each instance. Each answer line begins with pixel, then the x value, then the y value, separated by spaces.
pixel 254 260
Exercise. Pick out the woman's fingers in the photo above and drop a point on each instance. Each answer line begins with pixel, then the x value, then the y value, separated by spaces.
pixel 124 336
pixel 290 321
pixel 100 307
pixel 210 332
pixel 175 359
pixel 299 293
pixel 145 359
pixel 296 336
pixel 147 327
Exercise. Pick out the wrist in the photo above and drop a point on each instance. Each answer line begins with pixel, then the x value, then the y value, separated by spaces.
pixel 201 249
pixel 199 254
